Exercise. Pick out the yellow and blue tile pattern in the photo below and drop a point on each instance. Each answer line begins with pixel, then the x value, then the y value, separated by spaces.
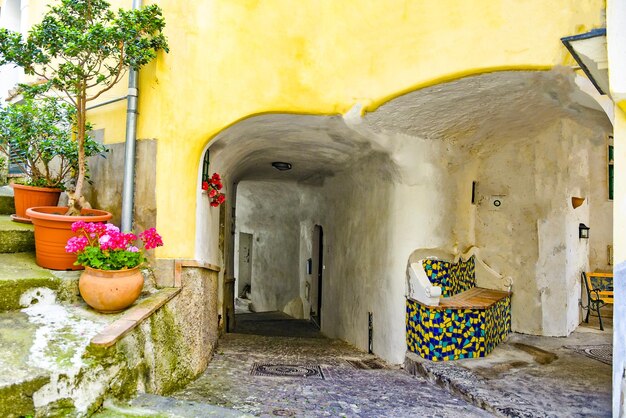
pixel 453 278
pixel 450 334
pixel 602 283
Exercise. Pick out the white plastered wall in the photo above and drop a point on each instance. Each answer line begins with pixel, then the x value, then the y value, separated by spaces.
pixel 10 18
pixel 278 215
pixel 616 45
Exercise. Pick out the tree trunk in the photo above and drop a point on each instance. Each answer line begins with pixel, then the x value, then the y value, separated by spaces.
pixel 76 200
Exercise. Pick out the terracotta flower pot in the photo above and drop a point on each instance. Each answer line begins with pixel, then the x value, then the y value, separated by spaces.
pixel 52 230
pixel 28 196
pixel 110 291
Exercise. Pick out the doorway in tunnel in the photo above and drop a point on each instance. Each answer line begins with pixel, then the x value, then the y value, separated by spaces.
pixel 317 274
pixel 278 258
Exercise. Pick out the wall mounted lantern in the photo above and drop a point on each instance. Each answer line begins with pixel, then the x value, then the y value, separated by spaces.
pixel 583 231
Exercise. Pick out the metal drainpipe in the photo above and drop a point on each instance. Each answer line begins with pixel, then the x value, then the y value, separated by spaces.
pixel 128 191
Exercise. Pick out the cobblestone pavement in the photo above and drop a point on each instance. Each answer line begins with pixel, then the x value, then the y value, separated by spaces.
pixel 346 390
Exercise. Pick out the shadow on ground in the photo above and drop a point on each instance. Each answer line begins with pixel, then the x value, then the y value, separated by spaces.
pixel 275 324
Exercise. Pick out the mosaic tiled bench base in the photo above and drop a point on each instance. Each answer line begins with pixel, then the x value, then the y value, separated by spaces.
pixel 441 333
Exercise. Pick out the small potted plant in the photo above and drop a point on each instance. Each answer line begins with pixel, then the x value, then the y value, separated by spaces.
pixel 37 137
pixel 112 279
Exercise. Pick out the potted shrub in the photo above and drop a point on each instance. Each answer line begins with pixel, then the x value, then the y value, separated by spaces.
pixel 80 50
pixel 38 133
pixel 112 279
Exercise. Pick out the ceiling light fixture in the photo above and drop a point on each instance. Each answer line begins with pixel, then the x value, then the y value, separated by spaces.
pixel 281 166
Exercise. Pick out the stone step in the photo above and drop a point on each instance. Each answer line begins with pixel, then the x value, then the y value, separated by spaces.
pixel 7 205
pixel 16 237
pixel 19 379
pixel 160 406
pixel 23 282
pixel 472 387
pixel 44 366
pixel 50 366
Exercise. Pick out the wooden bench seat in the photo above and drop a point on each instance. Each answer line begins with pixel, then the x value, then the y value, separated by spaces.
pixel 474 298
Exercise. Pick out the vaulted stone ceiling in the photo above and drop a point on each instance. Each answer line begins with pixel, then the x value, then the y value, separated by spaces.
pixel 472 114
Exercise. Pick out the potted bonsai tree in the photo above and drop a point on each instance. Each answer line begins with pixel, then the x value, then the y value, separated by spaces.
pixel 38 134
pixel 79 51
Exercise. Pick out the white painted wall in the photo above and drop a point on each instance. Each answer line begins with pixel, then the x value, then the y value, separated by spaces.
pixel 10 18
pixel 373 225
pixel 533 237
pixel 616 45
pixel 277 214
pixel 600 208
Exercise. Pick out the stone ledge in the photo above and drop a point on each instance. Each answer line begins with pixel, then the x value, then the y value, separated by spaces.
pixel 19 274
pixel 15 237
pixel 133 317
pixel 178 269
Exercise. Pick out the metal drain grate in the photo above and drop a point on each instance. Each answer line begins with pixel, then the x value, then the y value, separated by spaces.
pixel 367 364
pixel 306 371
pixel 600 352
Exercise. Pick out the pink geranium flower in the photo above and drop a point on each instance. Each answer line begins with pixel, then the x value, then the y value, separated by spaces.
pixel 104 246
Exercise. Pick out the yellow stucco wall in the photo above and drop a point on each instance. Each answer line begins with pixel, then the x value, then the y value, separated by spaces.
pixel 231 59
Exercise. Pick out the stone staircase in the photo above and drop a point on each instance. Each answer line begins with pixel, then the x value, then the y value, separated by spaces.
pixel 31 317
pixel 19 274
pixel 60 358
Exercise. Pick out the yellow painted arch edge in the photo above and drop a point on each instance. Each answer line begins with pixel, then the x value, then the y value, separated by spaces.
pixel 370 107
pixel 373 105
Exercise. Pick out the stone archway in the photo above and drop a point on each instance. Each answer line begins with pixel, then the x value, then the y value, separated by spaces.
pixel 401 178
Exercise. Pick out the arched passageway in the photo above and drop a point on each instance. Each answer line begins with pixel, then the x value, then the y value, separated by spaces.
pixel 401 178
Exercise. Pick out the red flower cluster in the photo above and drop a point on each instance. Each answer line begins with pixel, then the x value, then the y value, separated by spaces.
pixel 151 239
pixel 213 186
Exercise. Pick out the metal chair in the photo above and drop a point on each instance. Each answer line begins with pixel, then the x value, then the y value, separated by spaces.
pixel 594 301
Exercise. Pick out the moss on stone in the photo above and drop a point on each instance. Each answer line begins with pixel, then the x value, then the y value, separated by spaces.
pixel 12 290
pixel 17 400
pixel 60 408
pixel 7 205
pixel 19 273
pixel 15 237
pixel 171 368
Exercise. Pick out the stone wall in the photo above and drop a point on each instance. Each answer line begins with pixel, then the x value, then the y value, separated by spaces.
pixel 107 175
pixel 533 235
pixel 172 347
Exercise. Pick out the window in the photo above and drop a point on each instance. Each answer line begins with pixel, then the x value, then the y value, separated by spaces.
pixel 610 169
pixel 14 157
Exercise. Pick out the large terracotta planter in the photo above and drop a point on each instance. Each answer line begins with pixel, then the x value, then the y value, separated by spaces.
pixel 28 196
pixel 110 291
pixel 52 230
